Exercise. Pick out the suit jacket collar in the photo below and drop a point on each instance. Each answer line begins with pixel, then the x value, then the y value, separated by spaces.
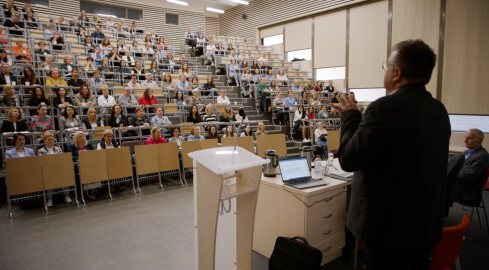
pixel 474 153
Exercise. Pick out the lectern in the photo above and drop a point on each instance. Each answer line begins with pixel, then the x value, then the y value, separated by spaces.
pixel 213 168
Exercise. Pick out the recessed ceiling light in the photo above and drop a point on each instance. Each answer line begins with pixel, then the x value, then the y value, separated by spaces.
pixel 240 2
pixel 214 10
pixel 178 2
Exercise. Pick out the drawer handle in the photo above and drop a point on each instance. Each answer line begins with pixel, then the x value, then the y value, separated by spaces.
pixel 328 215
pixel 327 232
pixel 328 199
pixel 327 249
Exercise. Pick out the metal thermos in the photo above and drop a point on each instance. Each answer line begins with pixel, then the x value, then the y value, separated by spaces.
pixel 307 152
pixel 270 169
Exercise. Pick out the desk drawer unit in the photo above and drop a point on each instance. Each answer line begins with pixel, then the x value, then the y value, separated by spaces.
pixel 325 222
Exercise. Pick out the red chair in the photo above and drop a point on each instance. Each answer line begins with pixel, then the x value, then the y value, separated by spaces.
pixel 487 180
pixel 445 253
pixel 482 204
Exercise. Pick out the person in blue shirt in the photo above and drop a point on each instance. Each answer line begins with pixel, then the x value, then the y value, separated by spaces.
pixel 97 35
pixel 159 120
pixel 195 134
pixel 290 100
pixel 19 150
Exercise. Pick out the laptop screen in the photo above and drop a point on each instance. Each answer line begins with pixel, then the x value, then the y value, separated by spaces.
pixel 295 168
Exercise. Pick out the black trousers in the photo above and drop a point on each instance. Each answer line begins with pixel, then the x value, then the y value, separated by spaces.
pixel 379 257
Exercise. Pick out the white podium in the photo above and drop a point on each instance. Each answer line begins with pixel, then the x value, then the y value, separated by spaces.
pixel 212 167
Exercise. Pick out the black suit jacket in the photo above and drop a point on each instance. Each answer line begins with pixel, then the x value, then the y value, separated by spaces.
pixel 467 176
pixel 3 81
pixel 399 153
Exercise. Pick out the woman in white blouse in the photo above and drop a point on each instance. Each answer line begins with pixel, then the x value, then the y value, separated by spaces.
pixel 105 100
pixel 222 98
pixel 263 59
pixel 281 75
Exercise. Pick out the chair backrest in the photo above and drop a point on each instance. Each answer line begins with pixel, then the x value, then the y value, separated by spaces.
pixel 445 252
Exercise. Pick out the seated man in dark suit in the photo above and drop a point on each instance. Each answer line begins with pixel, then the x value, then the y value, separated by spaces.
pixel 466 171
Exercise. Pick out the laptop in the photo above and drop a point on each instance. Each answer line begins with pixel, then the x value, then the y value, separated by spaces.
pixel 296 173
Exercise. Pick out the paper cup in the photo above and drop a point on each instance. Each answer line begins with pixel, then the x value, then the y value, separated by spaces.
pixel 27 83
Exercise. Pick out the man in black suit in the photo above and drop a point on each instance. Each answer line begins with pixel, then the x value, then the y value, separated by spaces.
pixel 398 151
pixel 466 171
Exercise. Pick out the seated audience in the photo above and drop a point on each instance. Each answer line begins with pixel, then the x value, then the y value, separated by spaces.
pixel 281 76
pixel 19 150
pixel 147 98
pixel 323 114
pixel 319 86
pixel 105 100
pixel 79 144
pixel 49 149
pixel 149 81
pixel 85 98
pixel 194 83
pixel 321 136
pixel 42 122
pixel 233 71
pixel 167 83
pixel 133 83
pixel 15 25
pixel 278 106
pixel 57 41
pixel 301 123
pixel 195 98
pixel 97 34
pixel 309 86
pixel 155 137
pixel 227 115
pixel 96 82
pixel 195 134
pixel 141 120
pixel 90 67
pixel 30 20
pixel 310 113
pixel 29 77
pixel 67 65
pixel 176 138
pixel 179 100
pixel 303 98
pixel 107 141
pixel 97 56
pixel 229 132
pixel 70 119
pixel 9 98
pixel 466 171
pixel 222 98
pixel 290 100
pixel 54 79
pixel 75 81
pixel 127 98
pixel 194 116
pixel 42 52
pixel 184 70
pixel 7 77
pixel 247 131
pixel 37 97
pixel 209 115
pixel 314 99
pixel 4 57
pixel 209 85
pixel 92 121
pixel 159 120
pixel 261 129
pixel 61 100
pixel 21 52
pixel 14 121
pixel 330 87
pixel 48 63
pixel 117 119
pixel 213 134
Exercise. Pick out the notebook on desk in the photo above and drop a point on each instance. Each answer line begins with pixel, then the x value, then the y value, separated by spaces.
pixel 296 173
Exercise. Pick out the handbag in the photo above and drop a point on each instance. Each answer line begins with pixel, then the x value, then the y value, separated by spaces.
pixel 291 254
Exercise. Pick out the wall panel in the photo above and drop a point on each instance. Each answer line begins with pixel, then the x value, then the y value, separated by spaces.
pixel 466 59
pixel 418 19
pixel 330 40
pixel 298 35
pixel 211 26
pixel 271 31
pixel 265 12
pixel 368 45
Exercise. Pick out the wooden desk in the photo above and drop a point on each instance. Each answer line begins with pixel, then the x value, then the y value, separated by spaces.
pixel 280 213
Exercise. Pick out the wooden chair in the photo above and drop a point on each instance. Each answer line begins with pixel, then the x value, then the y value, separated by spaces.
pixel 92 169
pixel 146 163
pixel 275 142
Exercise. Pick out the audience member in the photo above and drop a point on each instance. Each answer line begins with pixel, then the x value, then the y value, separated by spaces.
pixel 61 100
pixel 19 150
pixel 176 138
pixel 155 137
pixel 107 141
pixel 70 119
pixel 92 121
pixel 193 115
pixel 85 98
pixel 21 52
pixel 14 121
pixel 79 144
pixel 147 98
pixel 195 134
pixel 105 100
pixel 54 79
pixel 42 122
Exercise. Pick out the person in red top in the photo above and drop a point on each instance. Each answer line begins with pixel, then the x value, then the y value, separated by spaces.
pixel 147 98
pixel 155 137
pixel 20 51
